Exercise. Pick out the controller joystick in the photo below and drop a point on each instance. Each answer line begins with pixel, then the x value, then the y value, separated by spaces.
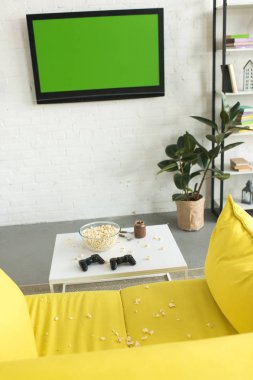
pixel 115 261
pixel 84 263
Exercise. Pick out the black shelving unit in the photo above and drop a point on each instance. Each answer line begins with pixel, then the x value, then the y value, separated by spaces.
pixel 217 187
pixel 216 209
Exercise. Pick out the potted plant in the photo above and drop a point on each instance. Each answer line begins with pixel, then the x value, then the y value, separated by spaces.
pixel 189 159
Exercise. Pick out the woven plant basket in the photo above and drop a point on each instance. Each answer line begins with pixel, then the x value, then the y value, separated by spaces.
pixel 190 214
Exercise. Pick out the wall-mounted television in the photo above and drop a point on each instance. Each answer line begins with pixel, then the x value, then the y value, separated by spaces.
pixel 97 55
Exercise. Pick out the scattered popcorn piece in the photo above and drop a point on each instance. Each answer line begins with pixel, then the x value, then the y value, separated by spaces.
pixel 178 319
pixel 115 332
pixel 47 333
pixel 82 255
pixel 189 336
pixel 147 258
pixel 144 337
pixel 156 315
pixel 137 344
pixel 89 316
pixel 102 338
pixel 137 301
pixel 71 318
pixel 172 304
pixel 129 341
pixel 146 245
pixel 157 238
pixel 119 339
pixel 161 249
pixel 151 332
pixel 56 318
pixel 145 330
pixel 209 325
pixel 146 287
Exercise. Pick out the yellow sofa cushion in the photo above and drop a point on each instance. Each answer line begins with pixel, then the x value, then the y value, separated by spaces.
pixel 225 358
pixel 16 334
pixel 229 265
pixel 75 322
pixel 172 311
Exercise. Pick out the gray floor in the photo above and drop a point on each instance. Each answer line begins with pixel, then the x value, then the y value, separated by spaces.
pixel 26 250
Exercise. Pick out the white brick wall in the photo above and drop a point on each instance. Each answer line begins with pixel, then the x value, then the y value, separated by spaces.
pixel 87 160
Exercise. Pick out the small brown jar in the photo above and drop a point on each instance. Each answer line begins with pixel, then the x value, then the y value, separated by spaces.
pixel 139 229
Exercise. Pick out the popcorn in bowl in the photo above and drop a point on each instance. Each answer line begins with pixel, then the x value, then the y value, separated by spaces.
pixel 100 236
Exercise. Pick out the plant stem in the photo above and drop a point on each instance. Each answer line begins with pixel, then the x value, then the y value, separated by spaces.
pixel 204 176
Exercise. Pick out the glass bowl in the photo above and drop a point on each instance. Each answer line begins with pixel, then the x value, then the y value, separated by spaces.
pixel 100 236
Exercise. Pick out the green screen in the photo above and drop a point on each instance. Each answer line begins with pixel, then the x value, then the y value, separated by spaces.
pixel 97 52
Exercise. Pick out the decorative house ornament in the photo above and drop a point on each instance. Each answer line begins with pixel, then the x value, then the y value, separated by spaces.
pixel 248 76
pixel 247 193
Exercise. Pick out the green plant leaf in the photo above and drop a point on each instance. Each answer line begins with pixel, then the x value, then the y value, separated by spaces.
pixel 213 153
pixel 224 117
pixel 180 142
pixel 208 122
pixel 225 104
pixel 234 111
pixel 203 159
pixel 181 181
pixel 189 142
pixel 211 138
pixel 186 167
pixel 179 197
pixel 192 157
pixel 228 133
pixel 231 146
pixel 195 174
pixel 167 166
pixel 220 137
pixel 172 151
pixel 221 176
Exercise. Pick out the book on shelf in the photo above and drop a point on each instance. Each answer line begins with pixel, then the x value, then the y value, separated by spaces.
pixel 232 77
pixel 227 85
pixel 248 46
pixel 245 116
pixel 242 168
pixel 232 36
pixel 239 164
pixel 239 40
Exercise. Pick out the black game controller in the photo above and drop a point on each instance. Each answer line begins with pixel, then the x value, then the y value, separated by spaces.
pixel 90 260
pixel 115 261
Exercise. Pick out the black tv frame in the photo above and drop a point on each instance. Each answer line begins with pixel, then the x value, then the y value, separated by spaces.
pixel 98 94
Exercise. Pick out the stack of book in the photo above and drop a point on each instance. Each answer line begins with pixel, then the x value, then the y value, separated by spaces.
pixel 228 72
pixel 245 117
pixel 239 41
pixel 240 164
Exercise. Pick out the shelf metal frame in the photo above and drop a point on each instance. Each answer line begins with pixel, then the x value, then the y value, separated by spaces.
pixel 217 205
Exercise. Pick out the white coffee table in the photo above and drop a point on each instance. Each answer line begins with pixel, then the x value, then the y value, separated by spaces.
pixel 157 253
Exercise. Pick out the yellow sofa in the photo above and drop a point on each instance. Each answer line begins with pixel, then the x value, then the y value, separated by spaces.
pixel 186 329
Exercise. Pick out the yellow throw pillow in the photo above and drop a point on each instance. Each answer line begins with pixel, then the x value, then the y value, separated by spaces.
pixel 229 265
pixel 16 334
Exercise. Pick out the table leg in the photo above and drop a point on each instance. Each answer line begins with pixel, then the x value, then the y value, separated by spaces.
pixel 51 286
